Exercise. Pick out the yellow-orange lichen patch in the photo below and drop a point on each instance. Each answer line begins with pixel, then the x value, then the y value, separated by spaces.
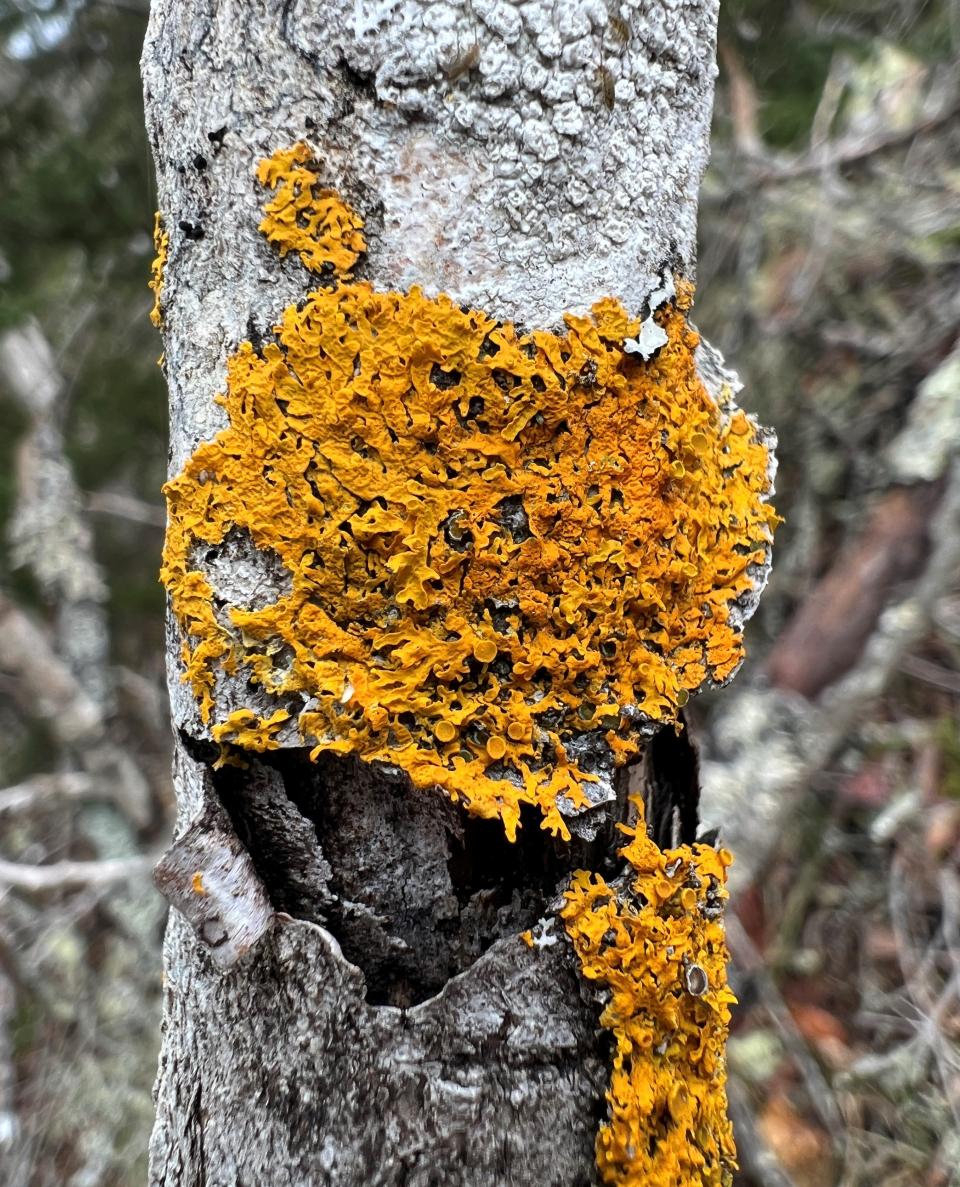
pixel 657 946
pixel 249 730
pixel 161 245
pixel 305 218
pixel 505 550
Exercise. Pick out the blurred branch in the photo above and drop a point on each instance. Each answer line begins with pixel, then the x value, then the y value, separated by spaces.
pixel 827 635
pixel 9 1122
pixel 753 1154
pixel 930 673
pixel 848 152
pixel 46 686
pixel 744 104
pixel 42 788
pixel 750 962
pixel 147 700
pixel 106 502
pixel 71 875
pixel 48 533
pixel 69 681
pixel 28 367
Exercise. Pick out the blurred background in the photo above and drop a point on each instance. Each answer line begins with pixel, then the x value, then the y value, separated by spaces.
pixel 830 277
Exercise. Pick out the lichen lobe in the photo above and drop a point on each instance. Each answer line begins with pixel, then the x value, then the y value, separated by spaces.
pixel 161 246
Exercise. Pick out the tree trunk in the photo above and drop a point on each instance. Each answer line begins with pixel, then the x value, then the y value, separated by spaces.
pixel 369 975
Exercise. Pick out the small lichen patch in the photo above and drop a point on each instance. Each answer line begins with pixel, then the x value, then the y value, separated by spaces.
pixel 249 731
pixel 656 945
pixel 161 245
pixel 305 218
pixel 498 544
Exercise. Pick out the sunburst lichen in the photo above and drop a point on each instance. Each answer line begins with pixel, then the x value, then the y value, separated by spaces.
pixel 657 946
pixel 161 245
pixel 307 219
pixel 249 730
pixel 499 544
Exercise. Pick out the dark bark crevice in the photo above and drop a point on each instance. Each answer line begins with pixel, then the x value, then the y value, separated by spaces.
pixel 413 888
pixel 671 786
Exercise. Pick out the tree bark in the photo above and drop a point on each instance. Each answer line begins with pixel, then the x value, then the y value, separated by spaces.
pixel 348 999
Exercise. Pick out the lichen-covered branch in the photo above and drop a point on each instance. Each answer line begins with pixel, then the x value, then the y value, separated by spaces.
pixel 459 517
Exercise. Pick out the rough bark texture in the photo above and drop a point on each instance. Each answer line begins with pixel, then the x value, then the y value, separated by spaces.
pixel 383 1023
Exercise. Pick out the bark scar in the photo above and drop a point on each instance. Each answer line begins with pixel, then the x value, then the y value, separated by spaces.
pixel 208 876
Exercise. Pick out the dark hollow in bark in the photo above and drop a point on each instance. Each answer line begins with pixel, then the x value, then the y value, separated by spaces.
pixel 413 889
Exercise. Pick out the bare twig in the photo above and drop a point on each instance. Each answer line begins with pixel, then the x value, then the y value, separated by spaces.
pixel 72 875
pixel 930 673
pixel 105 502
pixel 31 792
pixel 847 153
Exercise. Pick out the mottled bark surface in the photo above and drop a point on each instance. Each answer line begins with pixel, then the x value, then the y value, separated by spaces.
pixel 383 1023
pixel 279 1070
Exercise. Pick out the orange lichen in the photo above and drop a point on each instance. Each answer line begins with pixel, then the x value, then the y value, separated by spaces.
pixel 305 218
pixel 503 552
pixel 497 543
pixel 161 245
pixel 250 731
pixel 657 946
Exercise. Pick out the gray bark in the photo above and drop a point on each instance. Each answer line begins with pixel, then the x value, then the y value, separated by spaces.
pixel 347 998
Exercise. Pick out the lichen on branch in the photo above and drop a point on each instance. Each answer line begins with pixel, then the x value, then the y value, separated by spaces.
pixel 498 542
pixel 655 942
pixel 161 245
pixel 307 218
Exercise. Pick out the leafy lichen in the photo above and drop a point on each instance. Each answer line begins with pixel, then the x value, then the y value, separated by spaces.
pixel 305 218
pixel 161 245
pixel 656 945
pixel 497 541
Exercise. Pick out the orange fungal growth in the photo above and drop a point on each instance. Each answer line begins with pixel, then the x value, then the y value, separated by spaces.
pixel 161 245
pixel 505 552
pixel 496 748
pixel 307 219
pixel 657 946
